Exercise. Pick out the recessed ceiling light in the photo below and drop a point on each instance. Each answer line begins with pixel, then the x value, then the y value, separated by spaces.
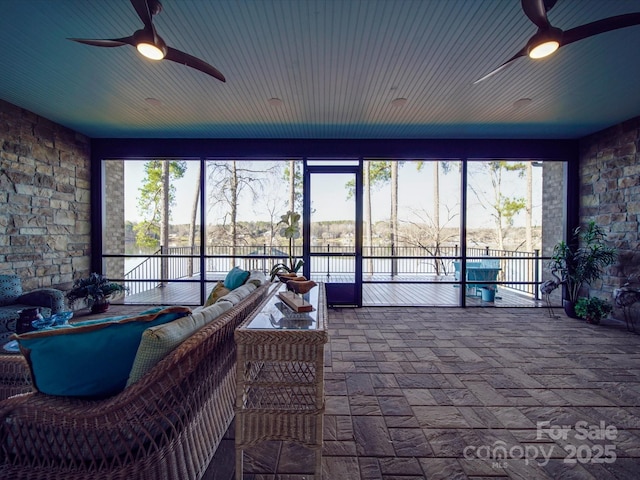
pixel 398 102
pixel 153 101
pixel 275 102
pixel 522 102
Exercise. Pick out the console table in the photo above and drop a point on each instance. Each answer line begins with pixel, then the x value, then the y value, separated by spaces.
pixel 280 375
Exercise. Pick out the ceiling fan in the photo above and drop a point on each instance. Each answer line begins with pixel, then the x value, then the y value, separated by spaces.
pixel 548 38
pixel 150 44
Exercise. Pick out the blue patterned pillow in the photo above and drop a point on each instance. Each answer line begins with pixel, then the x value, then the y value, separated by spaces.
pixel 93 359
pixel 10 289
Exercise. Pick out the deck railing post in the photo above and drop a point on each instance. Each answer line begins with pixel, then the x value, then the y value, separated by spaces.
pixel 537 279
pixel 164 267
pixel 394 262
pixel 328 261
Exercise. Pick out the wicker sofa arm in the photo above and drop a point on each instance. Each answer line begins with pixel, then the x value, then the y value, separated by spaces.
pixel 127 436
pixel 167 425
pixel 44 297
pixel 40 430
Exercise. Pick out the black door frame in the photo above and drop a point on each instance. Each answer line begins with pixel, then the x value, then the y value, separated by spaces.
pixel 338 294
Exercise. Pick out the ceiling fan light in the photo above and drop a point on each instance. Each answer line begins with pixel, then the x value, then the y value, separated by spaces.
pixel 149 44
pixel 150 51
pixel 544 49
pixel 544 43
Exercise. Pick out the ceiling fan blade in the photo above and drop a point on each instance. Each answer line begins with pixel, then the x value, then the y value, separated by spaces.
pixel 600 26
pixel 109 42
pixel 521 53
pixel 193 62
pixel 537 12
pixel 144 11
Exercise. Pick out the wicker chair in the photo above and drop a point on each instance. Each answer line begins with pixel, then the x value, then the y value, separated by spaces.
pixel 13 299
pixel 165 426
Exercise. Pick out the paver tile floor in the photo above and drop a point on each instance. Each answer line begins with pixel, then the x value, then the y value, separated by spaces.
pixel 414 393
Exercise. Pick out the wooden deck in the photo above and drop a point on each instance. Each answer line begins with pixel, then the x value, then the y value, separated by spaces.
pixel 381 292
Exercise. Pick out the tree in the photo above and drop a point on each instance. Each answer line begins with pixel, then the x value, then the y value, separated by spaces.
pixel 274 201
pixel 501 207
pixel 368 230
pixel 394 216
pixel 156 197
pixel 293 174
pixel 434 234
pixel 229 180
pixel 164 221
pixel 375 172
pixel 529 208
pixel 192 221
pixel 430 235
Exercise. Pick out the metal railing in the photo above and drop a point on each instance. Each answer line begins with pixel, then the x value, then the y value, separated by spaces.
pixel 520 271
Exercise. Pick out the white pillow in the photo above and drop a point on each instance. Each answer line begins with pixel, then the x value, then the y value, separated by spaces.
pixel 256 277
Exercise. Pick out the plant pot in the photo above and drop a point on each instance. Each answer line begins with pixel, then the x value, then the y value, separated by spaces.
pixel 593 320
pixel 488 294
pixel 100 307
pixel 569 308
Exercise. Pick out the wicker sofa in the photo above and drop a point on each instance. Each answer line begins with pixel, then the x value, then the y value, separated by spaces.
pixel 166 425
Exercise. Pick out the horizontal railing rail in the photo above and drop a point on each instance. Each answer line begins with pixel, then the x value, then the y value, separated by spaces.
pixel 520 271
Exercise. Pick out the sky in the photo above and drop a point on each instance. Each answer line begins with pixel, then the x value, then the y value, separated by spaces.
pixel 331 203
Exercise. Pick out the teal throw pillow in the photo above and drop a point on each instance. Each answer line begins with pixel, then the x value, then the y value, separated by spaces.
pixel 92 359
pixel 235 278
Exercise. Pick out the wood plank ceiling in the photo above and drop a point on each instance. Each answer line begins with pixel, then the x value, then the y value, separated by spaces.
pixel 336 66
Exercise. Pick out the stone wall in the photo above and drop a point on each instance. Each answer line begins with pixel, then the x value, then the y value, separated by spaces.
pixel 610 195
pixel 44 193
pixel 114 233
pixel 553 215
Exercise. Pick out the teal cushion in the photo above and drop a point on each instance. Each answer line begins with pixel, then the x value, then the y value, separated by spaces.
pixel 90 359
pixel 10 289
pixel 235 278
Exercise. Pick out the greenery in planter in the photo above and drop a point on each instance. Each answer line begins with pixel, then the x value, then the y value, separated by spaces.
pixel 95 289
pixel 291 230
pixel 583 259
pixel 593 309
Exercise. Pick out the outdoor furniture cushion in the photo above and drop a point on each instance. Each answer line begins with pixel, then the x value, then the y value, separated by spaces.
pixel 256 277
pixel 13 300
pixel 90 359
pixel 158 341
pixel 236 296
pixel 235 278
pixel 218 291
pixel 10 289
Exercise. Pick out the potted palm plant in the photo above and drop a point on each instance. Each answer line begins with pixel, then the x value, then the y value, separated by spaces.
pixel 96 291
pixel 290 230
pixel 581 261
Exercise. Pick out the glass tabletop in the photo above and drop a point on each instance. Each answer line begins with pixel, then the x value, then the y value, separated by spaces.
pixel 277 315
